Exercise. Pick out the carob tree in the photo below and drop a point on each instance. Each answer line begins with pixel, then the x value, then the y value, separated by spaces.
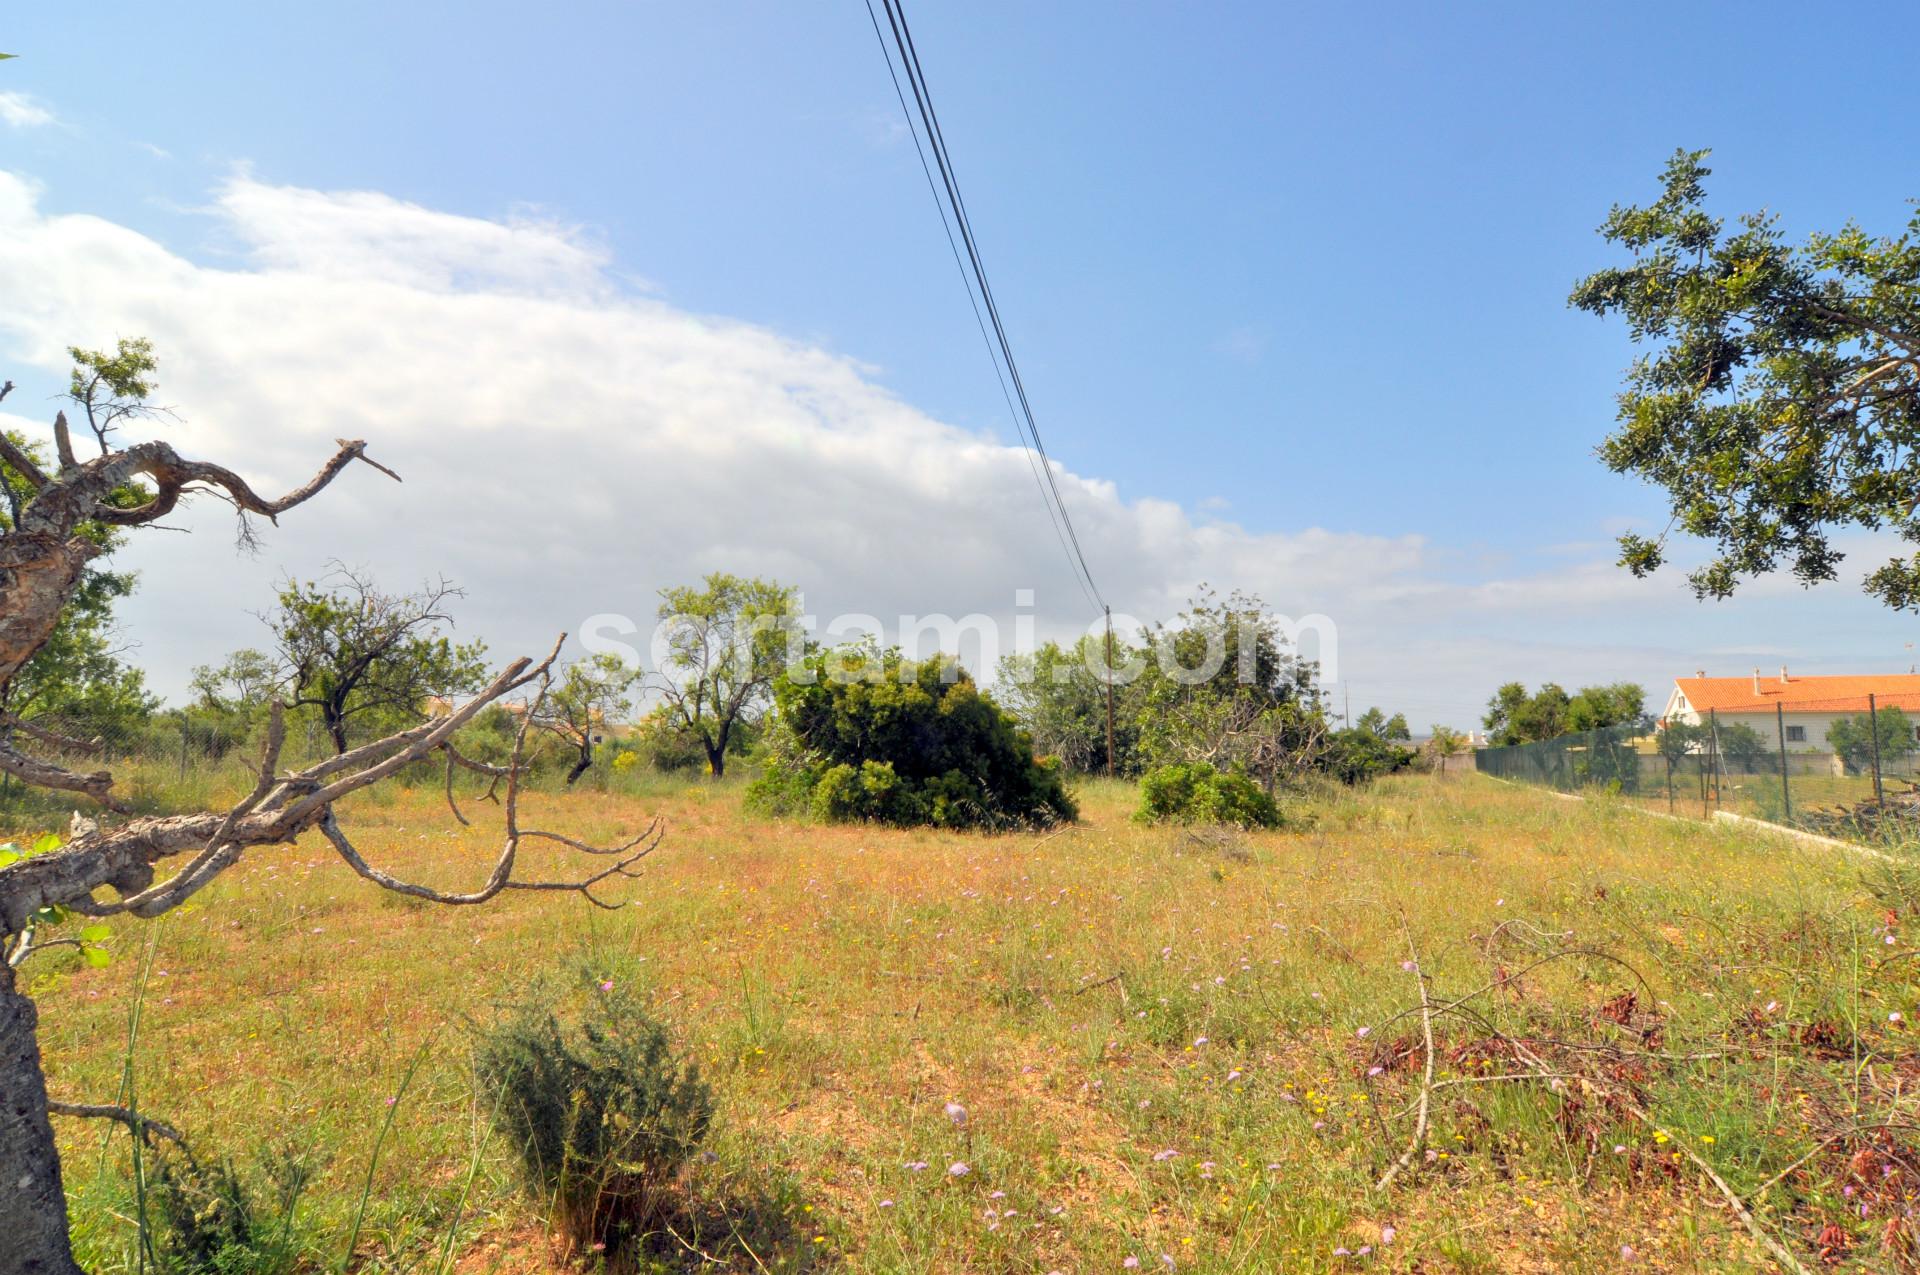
pixel 113 865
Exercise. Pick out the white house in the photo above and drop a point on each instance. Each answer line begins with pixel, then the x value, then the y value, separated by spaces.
pixel 1805 706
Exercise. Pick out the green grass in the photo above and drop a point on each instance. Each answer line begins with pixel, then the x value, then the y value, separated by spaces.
pixel 1093 998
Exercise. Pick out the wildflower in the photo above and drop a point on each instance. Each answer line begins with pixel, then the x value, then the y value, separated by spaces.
pixel 1407 966
pixel 886 1204
pixel 956 1113
pixel 998 1195
pixel 1161 1157
pixel 959 1169
pixel 1199 1041
pixel 1386 1234
pixel 1374 1071
pixel 1131 1264
pixel 607 986
pixel 914 1166
pixel 1364 1032
pixel 1619 1149
pixel 1343 1251
pixel 1895 1017
pixel 1626 1252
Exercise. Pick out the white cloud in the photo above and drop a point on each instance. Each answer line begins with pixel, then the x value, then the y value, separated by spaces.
pixel 569 447
pixel 22 110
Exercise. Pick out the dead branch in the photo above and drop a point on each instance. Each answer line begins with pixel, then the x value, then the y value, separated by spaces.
pixel 1425 1110
pixel 142 1127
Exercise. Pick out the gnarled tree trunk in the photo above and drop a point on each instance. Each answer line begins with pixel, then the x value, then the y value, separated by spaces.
pixel 33 1201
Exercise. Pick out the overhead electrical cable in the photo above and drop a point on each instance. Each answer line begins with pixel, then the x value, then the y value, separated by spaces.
pixel 999 349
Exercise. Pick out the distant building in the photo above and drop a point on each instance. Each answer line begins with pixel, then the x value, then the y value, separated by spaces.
pixel 1806 706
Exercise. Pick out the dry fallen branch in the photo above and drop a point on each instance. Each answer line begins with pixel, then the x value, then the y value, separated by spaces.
pixel 1425 1104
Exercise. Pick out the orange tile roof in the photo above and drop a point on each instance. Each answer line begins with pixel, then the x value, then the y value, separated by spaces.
pixel 1801 694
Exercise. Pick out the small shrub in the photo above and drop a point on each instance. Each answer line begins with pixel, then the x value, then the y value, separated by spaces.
pixel 211 1223
pixel 1194 792
pixel 603 1115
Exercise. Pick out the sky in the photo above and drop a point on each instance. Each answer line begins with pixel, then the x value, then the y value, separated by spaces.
pixel 631 292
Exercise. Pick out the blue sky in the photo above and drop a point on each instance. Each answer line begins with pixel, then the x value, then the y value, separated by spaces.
pixel 1288 267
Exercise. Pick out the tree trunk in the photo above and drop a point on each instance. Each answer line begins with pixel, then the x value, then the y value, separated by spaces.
pixel 337 732
pixel 717 761
pixel 585 762
pixel 33 1203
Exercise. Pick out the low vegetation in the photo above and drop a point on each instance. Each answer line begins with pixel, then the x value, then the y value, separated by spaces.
pixel 937 1050
pixel 1194 792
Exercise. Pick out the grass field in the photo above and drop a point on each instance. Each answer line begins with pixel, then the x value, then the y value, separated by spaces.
pixel 1163 1042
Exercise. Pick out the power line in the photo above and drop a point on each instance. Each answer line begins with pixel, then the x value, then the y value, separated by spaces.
pixel 1024 422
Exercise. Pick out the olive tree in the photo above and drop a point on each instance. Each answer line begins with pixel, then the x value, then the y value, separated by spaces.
pixel 112 865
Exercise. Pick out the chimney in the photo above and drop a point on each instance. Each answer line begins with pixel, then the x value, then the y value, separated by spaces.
pixel 1783 675
pixel 1756 681
pixel 1699 672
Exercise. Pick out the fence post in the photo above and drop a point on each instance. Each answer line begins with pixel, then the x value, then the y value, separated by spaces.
pixel 183 747
pixel 1873 733
pixel 1713 752
pixel 1786 792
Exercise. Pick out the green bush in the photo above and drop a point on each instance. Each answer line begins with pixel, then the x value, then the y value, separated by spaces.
pixel 894 741
pixel 1194 792
pixel 604 1117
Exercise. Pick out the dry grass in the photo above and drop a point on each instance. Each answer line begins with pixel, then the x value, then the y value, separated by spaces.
pixel 841 985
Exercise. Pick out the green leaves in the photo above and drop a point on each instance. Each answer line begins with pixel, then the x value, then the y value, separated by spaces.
pixel 1781 400
pixel 90 939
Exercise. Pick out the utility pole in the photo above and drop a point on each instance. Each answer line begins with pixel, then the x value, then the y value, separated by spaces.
pixel 1109 692
pixel 1346 718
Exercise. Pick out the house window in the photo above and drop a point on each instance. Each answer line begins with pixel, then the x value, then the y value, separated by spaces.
pixel 1796 734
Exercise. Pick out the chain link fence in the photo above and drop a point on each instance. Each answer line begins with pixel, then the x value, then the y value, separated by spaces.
pixel 1841 768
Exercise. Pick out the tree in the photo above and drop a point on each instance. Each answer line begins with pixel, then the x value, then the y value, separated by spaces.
pixel 1615 704
pixel 726 642
pixel 243 684
pixel 76 683
pixel 1358 755
pixel 1059 696
pixel 595 693
pixel 350 650
pixel 870 735
pixel 1781 402
pixel 1443 745
pixel 1514 717
pixel 1222 688
pixel 1744 746
pixel 1853 737
pixel 109 867
pixel 1376 723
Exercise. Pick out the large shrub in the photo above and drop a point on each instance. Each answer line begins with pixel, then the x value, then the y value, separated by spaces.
pixel 603 1116
pixel 1194 792
pixel 868 735
pixel 1357 755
